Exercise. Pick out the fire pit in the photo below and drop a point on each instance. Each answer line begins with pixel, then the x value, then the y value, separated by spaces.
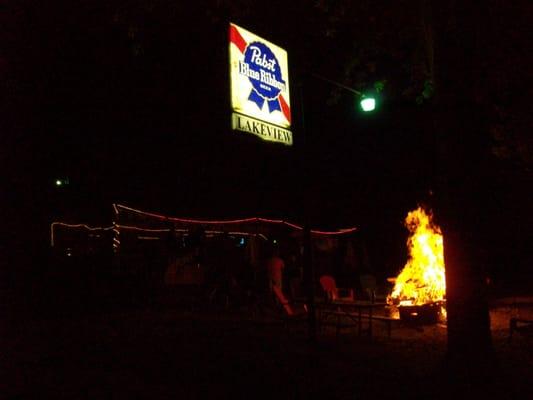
pixel 428 313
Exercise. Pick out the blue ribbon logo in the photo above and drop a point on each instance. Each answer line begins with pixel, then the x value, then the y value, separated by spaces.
pixel 264 72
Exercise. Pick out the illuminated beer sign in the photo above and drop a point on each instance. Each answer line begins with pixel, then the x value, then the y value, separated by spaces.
pixel 259 87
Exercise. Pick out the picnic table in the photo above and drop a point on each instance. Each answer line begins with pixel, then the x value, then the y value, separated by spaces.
pixel 354 311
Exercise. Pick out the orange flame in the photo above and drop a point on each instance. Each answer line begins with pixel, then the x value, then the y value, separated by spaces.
pixel 422 279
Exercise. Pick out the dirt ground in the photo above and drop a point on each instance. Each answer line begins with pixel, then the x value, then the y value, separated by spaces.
pixel 170 353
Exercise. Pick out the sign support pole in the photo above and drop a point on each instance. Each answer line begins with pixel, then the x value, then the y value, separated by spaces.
pixel 309 273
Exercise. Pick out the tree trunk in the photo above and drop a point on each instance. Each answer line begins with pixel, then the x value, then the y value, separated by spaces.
pixel 467 307
pixel 461 130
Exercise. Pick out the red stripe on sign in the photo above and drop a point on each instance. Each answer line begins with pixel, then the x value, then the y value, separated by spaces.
pixel 236 38
pixel 285 108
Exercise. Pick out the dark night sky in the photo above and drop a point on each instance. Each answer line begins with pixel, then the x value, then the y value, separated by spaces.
pixel 131 103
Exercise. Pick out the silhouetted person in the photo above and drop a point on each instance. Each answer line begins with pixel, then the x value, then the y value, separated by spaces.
pixel 275 266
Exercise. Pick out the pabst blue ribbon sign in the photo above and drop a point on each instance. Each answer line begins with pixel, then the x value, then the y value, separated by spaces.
pixel 259 86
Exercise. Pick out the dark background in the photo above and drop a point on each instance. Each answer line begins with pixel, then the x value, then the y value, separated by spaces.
pixel 130 102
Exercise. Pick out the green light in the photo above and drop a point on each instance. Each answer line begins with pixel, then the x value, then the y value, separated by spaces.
pixel 59 182
pixel 368 104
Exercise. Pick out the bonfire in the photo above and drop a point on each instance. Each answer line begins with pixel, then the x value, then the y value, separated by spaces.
pixel 422 280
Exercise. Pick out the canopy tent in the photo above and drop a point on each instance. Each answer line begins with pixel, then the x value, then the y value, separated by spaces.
pixel 145 241
pixel 251 237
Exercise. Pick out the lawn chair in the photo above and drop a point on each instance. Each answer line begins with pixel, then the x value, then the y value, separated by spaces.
pixel 370 288
pixel 521 325
pixel 333 293
pixel 291 312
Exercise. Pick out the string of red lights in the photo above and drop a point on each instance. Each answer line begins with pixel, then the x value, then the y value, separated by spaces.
pixel 117 227
pixel 117 208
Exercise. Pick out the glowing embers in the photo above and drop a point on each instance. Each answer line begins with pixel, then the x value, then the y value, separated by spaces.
pixel 420 289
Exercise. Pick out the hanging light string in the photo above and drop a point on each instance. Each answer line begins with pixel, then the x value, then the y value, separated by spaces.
pixel 75 226
pixel 117 208
pixel 117 227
